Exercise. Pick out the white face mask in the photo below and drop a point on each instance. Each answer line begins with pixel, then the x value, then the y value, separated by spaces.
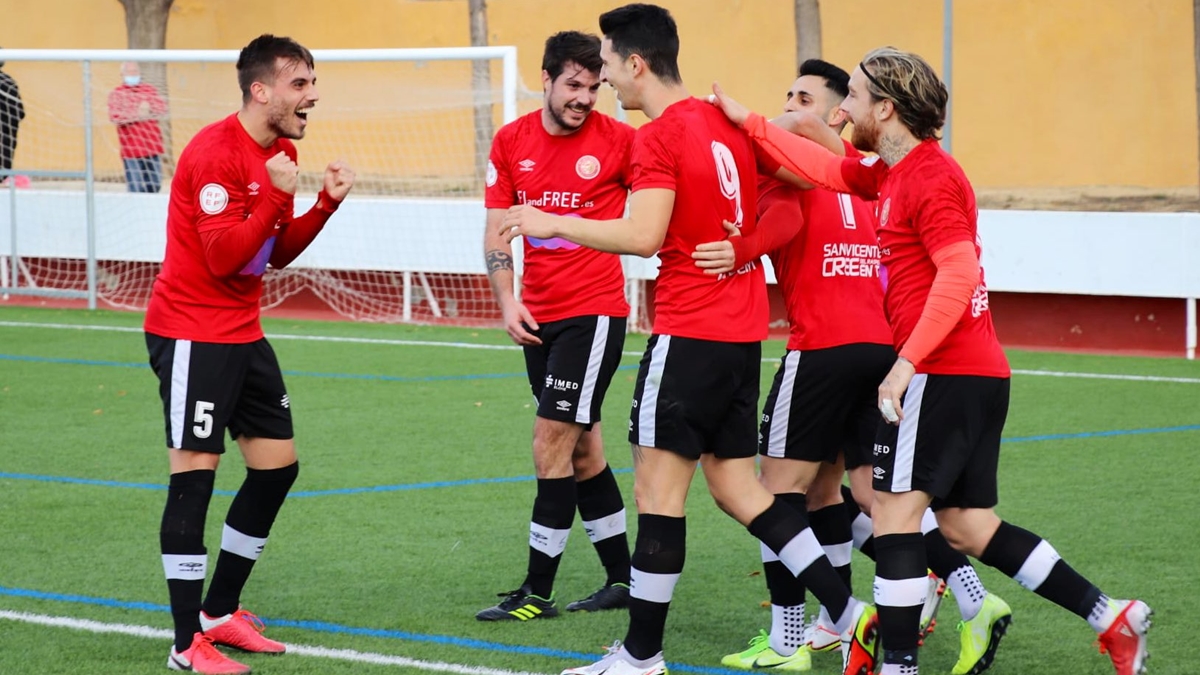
pixel 133 80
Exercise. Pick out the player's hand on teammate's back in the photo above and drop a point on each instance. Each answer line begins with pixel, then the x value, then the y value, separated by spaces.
pixel 718 257
pixel 736 112
pixel 518 321
pixel 525 220
pixel 283 172
pixel 339 178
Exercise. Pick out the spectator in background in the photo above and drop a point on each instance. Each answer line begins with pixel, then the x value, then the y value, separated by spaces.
pixel 11 114
pixel 135 107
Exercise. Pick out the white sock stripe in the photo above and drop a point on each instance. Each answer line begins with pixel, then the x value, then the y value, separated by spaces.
pixel 647 409
pixel 767 554
pixel 906 441
pixel 781 414
pixel 1037 566
pixel 803 550
pixel 603 528
pixel 591 375
pixel 839 554
pixel 861 529
pixel 549 541
pixel 179 386
pixel 651 587
pixel 192 567
pixel 901 592
pixel 929 522
pixel 242 544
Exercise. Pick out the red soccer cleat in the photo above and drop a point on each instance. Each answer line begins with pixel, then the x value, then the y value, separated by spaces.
pixel 240 630
pixel 1125 639
pixel 202 657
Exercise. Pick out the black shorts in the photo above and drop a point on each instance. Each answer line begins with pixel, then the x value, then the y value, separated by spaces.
pixel 572 368
pixel 208 388
pixel 823 402
pixel 697 396
pixel 949 441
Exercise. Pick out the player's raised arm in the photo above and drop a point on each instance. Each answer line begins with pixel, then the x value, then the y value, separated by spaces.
pixel 294 237
pixel 641 233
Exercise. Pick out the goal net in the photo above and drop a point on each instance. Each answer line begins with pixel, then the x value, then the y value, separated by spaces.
pixel 415 124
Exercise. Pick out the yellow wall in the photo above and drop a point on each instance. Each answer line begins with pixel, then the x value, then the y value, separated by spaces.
pixel 1064 93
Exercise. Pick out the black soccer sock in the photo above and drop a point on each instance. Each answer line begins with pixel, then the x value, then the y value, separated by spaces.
pixel 658 556
pixel 553 513
pixel 603 514
pixel 1034 563
pixel 956 570
pixel 831 525
pixel 860 524
pixel 247 527
pixel 181 540
pixel 786 591
pixel 900 587
pixel 786 532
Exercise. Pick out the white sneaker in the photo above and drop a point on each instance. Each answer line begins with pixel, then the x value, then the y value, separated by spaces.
pixel 820 635
pixel 619 662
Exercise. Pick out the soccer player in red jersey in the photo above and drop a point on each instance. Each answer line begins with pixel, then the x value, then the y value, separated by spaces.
pixel 946 397
pixel 822 411
pixel 570 160
pixel 230 214
pixel 696 397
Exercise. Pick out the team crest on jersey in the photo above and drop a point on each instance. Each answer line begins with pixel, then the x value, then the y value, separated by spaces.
pixel 491 174
pixel 588 167
pixel 213 199
pixel 884 211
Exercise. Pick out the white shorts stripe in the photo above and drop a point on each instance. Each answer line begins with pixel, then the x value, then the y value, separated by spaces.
pixel 648 405
pixel 901 592
pixel 587 389
pixel 241 544
pixel 803 550
pixel 603 528
pixel 548 541
pixel 185 567
pixel 651 587
pixel 179 388
pixel 781 414
pixel 906 442
pixel 1037 566
pixel 839 554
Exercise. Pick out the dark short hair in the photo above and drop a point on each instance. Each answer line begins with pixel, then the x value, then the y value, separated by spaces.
pixel 648 31
pixel 256 62
pixel 571 46
pixel 836 79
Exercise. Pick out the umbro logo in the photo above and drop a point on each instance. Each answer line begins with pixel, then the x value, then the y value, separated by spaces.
pixel 563 406
pixel 526 164
pixel 253 188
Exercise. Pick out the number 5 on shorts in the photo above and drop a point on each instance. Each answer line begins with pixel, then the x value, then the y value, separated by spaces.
pixel 203 419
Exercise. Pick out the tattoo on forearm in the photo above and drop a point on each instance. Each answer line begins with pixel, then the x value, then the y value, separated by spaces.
pixel 498 261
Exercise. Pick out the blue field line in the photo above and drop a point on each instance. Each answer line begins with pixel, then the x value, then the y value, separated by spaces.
pixel 337 629
pixel 465 482
pixel 289 373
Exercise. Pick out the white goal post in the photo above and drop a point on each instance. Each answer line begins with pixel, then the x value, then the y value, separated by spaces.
pixel 406 247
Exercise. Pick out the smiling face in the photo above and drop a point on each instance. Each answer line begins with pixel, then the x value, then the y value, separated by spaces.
pixel 618 73
pixel 290 97
pixel 571 97
pixel 860 107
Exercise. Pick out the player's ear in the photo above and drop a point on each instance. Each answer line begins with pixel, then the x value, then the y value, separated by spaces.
pixel 836 116
pixel 258 92
pixel 637 64
pixel 546 81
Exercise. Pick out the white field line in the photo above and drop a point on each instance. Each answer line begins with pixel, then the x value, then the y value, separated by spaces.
pixel 472 345
pixel 301 650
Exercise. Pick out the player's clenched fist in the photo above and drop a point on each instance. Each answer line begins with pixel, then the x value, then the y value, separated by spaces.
pixel 283 172
pixel 339 178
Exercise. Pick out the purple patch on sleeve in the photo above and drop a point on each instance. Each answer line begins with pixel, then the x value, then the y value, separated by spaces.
pixel 258 264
